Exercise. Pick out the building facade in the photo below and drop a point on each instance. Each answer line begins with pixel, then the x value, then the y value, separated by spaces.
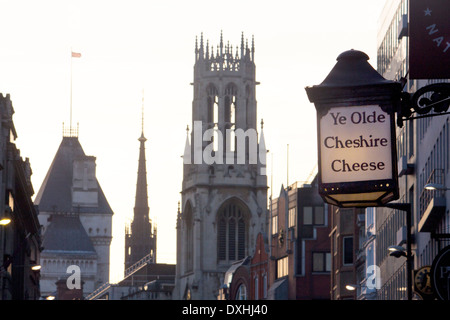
pixel 20 234
pixel 344 238
pixel 300 256
pixel 76 219
pixel 248 279
pixel 423 157
pixel 224 189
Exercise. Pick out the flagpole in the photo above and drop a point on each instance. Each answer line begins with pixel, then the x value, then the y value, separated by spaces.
pixel 71 58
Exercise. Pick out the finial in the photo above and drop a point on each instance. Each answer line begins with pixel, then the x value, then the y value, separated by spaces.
pixel 262 123
pixel 142 111
pixel 201 46
pixel 242 44
pixel 187 129
pixel 142 138
pixel 253 47
pixel 221 42
pixel 196 48
pixel 207 49
pixel 179 208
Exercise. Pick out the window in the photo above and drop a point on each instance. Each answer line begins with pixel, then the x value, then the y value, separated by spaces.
pixel 10 200
pixel 241 292
pixel 189 241
pixel 232 233
pixel 321 262
pixel 256 288
pixel 313 215
pixel 292 217
pixel 230 115
pixel 282 267
pixel 347 249
pixel 265 286
pixel 274 225
pixel 307 215
pixel 318 216
pixel 212 101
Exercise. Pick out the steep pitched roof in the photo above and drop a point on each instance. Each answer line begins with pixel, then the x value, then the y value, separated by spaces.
pixel 55 193
pixel 65 234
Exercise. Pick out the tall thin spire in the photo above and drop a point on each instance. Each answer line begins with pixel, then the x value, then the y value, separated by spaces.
pixel 142 120
pixel 141 241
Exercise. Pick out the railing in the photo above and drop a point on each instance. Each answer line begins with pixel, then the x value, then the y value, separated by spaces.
pixel 97 291
pixel 437 176
pixel 70 132
pixel 138 265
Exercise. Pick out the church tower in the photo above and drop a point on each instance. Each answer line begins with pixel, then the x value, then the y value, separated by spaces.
pixel 140 239
pixel 224 189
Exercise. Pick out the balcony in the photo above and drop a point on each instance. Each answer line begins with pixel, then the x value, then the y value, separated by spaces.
pixel 432 203
pixel 432 214
pixel 404 168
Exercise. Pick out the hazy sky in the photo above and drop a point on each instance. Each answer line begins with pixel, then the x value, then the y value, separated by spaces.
pixel 128 46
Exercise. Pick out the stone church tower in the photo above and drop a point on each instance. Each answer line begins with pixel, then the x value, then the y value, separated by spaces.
pixel 224 189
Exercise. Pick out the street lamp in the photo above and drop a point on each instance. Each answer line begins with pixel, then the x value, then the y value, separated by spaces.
pixel 435 186
pixel 352 287
pixel 356 109
pixel 36 267
pixel 397 251
pixel 4 221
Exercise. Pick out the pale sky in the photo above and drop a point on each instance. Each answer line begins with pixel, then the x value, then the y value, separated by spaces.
pixel 130 46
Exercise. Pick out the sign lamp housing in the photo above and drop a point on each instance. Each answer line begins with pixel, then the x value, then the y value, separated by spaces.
pixel 357 157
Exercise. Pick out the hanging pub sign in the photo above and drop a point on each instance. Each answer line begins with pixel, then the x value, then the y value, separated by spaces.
pixel 429 39
pixel 356 133
pixel 440 274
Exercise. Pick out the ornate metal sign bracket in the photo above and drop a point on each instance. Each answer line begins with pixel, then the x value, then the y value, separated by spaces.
pixel 431 98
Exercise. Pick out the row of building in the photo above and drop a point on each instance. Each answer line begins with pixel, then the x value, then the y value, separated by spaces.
pixel 234 241
pixel 304 249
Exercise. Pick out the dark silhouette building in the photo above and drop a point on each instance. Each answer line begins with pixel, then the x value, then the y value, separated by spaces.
pixel 20 239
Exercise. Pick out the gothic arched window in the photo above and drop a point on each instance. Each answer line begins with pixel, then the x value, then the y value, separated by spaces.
pixel 248 111
pixel 241 293
pixel 212 100
pixel 232 232
pixel 230 100
pixel 189 240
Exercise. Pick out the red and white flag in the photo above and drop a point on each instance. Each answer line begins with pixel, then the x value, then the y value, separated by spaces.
pixel 76 55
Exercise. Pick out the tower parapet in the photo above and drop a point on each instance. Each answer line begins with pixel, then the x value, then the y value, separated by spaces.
pixel 224 57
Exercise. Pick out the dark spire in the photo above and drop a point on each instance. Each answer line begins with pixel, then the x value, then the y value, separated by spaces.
pixel 141 208
pixel 141 241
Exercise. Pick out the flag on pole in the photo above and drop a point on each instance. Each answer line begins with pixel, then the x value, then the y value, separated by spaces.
pixel 76 55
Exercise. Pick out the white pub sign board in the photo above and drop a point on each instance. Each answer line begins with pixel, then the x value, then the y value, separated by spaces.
pixel 355 144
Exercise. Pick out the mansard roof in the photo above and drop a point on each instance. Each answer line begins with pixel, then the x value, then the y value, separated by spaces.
pixel 55 194
pixel 65 234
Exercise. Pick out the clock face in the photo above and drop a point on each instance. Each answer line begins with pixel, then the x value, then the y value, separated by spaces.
pixel 422 281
